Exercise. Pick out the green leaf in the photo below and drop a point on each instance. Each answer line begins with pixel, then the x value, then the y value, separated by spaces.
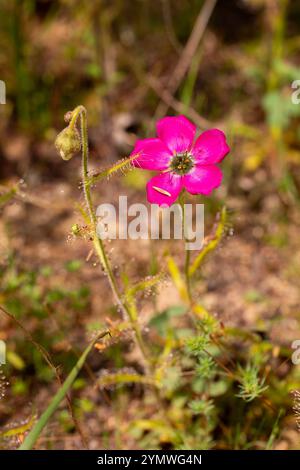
pixel 35 432
pixel 162 321
pixel 279 109
pixel 15 360
pixel 212 244
pixel 177 279
pixel 73 265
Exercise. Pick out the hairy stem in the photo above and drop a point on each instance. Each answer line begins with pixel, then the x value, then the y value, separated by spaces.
pixel 187 252
pixel 98 243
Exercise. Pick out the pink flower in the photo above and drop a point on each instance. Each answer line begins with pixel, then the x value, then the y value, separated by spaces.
pixel 182 163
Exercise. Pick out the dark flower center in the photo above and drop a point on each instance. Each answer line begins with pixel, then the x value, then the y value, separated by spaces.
pixel 182 163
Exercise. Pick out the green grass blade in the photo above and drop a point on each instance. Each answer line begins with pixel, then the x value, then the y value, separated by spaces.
pixel 35 432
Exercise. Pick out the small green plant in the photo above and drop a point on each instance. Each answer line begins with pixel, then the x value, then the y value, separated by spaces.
pixel 251 386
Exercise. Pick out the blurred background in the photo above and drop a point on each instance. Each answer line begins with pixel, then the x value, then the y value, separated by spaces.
pixel 228 64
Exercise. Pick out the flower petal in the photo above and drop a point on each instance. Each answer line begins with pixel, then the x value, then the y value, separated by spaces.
pixel 152 154
pixel 210 147
pixel 177 132
pixel 203 179
pixel 164 188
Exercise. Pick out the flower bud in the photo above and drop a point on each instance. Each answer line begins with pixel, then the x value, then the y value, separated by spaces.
pixel 68 142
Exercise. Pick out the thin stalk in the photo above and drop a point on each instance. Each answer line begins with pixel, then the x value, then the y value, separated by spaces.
pixel 121 165
pixel 187 252
pixel 98 243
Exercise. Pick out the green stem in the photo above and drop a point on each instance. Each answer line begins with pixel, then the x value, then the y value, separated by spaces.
pixel 187 252
pixel 121 165
pixel 35 432
pixel 98 243
pixel 186 273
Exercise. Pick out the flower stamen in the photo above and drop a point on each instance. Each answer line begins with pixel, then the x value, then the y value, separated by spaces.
pixel 182 163
pixel 162 191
